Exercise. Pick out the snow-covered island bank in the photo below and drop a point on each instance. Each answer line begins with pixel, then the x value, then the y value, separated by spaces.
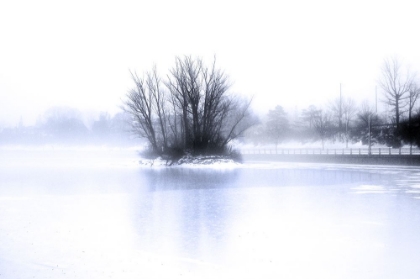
pixel 190 161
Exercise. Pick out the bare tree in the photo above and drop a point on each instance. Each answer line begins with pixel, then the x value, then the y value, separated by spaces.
pixel 322 125
pixel 198 114
pixel 139 106
pixel 175 121
pixel 146 105
pixel 335 106
pixel 184 83
pixel 413 95
pixel 344 111
pixel 396 84
pixel 211 117
pixel 365 113
pixel 367 125
pixel 63 123
pixel 158 104
pixel 239 119
pixel 277 125
pixel 309 114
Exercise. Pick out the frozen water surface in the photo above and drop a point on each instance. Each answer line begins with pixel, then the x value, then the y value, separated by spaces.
pixel 97 214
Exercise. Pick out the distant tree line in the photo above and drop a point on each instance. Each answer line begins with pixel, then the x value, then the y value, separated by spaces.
pixel 190 110
pixel 321 124
pixel 344 121
pixel 68 126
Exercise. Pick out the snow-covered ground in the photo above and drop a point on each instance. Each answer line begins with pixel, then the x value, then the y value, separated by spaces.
pixel 298 144
pixel 216 162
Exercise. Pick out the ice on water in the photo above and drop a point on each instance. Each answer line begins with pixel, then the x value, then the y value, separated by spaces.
pixel 98 214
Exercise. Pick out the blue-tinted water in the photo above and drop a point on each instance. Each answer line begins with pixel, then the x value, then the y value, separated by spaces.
pixel 96 214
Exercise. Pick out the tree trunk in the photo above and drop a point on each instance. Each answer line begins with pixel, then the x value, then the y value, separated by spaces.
pixel 397 113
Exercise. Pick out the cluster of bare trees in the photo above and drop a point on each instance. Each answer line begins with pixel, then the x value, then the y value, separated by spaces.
pixel 312 124
pixel 360 123
pixel 345 121
pixel 401 89
pixel 336 121
pixel 190 110
pixel 67 125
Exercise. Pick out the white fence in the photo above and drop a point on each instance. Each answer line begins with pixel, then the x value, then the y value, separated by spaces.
pixel 334 151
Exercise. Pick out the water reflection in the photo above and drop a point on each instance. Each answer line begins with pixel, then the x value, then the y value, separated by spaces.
pixel 410 183
pixel 189 224
pixel 199 178
pixel 189 178
pixel 300 221
pixel 271 222
pixel 308 177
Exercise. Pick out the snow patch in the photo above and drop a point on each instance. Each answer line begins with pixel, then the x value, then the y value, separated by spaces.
pixel 158 162
pixel 192 161
pixel 369 189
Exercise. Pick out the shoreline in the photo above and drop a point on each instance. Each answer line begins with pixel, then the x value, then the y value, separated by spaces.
pixel 403 160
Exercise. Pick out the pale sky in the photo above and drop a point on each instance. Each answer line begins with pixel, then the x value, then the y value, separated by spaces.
pixel 289 53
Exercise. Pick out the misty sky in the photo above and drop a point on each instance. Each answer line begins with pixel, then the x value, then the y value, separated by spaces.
pixel 290 53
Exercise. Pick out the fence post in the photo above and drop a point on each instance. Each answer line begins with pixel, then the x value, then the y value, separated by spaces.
pixel 351 151
pixel 390 151
pixel 379 151
pixel 399 151
pixel 359 151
